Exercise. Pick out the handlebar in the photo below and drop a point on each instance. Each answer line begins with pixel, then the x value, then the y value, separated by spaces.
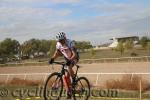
pixel 60 63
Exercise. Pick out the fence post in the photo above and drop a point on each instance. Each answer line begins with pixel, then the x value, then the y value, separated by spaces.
pixel 97 79
pixel 7 78
pixel 45 78
pixel 140 83
pixel 131 77
pixel 25 76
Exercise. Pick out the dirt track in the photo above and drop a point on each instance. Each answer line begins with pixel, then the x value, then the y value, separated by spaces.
pixel 135 67
pixel 139 67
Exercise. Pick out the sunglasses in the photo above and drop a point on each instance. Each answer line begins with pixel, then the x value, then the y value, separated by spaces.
pixel 61 40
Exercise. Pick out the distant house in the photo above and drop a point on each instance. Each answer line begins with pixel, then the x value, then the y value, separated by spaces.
pixel 115 42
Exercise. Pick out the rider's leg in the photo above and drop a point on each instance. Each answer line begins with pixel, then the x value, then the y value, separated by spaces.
pixel 67 84
pixel 69 88
pixel 65 79
pixel 70 68
pixel 71 73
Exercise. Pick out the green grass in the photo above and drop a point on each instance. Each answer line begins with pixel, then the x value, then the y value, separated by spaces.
pixel 121 94
pixel 113 54
pixel 98 54
pixel 101 54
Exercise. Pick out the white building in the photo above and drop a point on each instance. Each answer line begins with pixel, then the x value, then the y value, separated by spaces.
pixel 115 42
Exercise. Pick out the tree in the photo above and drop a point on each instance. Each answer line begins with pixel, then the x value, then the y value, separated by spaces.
pixel 35 44
pixel 9 47
pixel 44 46
pixel 144 41
pixel 120 47
pixel 52 47
pixel 26 48
pixel 128 44
pixel 1 51
pixel 31 47
pixel 148 45
pixel 81 45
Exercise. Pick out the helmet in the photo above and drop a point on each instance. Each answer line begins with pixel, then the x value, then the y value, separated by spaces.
pixel 60 36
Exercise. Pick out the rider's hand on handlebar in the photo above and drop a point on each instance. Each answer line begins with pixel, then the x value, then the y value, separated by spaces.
pixel 51 60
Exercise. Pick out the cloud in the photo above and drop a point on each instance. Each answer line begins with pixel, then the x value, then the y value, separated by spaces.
pixel 3 2
pixel 26 23
pixel 132 20
pixel 109 20
pixel 65 1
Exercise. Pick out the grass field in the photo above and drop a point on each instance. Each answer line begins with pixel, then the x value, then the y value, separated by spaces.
pixel 98 54
pixel 113 54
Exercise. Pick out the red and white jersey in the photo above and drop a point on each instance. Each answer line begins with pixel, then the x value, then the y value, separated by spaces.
pixel 66 50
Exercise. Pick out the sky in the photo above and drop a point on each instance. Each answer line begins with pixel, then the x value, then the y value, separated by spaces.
pixel 84 20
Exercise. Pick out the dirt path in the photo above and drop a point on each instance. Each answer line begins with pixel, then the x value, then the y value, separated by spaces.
pixel 138 67
pixel 135 67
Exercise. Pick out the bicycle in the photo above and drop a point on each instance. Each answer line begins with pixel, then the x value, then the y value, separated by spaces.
pixel 53 88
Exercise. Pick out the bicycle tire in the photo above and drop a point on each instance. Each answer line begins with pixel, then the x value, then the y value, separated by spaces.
pixel 46 97
pixel 79 80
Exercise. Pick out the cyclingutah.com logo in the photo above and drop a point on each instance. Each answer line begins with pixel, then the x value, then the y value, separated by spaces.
pixel 38 92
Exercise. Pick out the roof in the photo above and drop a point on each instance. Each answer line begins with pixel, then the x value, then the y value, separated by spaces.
pixel 126 37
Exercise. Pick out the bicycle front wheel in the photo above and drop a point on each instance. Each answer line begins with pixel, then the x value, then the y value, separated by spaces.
pixel 82 89
pixel 53 87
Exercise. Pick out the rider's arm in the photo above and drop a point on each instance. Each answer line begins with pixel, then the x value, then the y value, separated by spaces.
pixel 73 53
pixel 56 54
pixel 73 50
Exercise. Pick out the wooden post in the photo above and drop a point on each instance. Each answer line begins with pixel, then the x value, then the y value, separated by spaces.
pixel 7 79
pixel 140 83
pixel 97 78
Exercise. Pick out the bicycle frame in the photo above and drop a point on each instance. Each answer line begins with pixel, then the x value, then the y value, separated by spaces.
pixel 62 72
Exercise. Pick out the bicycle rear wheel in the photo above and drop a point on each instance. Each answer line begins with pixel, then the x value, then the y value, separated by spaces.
pixel 53 87
pixel 82 89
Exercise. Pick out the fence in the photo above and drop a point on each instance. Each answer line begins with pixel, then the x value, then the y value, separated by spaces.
pixel 98 75
pixel 122 59
pixel 102 60
pixel 46 74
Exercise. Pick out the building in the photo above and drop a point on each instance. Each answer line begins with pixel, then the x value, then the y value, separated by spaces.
pixel 115 42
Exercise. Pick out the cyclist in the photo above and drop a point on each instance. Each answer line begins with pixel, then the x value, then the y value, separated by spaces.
pixel 66 47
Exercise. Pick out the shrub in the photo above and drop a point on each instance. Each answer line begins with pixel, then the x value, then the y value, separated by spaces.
pixel 133 54
pixel 17 81
pixel 127 83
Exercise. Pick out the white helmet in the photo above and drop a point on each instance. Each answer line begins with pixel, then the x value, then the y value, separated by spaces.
pixel 60 36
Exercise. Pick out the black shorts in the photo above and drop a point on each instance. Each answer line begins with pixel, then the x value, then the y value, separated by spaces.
pixel 69 63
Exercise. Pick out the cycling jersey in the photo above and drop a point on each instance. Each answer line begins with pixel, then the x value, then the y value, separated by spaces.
pixel 66 49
